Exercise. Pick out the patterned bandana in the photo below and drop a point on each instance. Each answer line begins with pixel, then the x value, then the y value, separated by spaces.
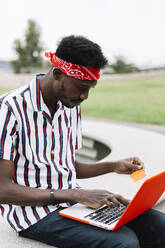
pixel 73 70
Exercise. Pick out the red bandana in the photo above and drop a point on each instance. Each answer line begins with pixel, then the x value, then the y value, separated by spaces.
pixel 73 70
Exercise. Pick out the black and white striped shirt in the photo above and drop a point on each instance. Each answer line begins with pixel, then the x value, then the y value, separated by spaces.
pixel 42 148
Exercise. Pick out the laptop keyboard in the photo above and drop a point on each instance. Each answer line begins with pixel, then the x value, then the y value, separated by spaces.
pixel 105 215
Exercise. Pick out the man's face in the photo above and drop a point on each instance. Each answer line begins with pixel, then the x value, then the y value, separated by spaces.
pixel 72 91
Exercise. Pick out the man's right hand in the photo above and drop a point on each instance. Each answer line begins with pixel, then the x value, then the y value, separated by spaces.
pixel 98 198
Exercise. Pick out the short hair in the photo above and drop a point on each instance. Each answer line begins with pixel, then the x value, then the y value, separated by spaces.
pixel 81 51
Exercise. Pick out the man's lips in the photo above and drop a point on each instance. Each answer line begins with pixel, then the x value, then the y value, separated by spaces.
pixel 76 100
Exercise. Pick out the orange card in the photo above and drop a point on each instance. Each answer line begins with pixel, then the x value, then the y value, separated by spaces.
pixel 137 175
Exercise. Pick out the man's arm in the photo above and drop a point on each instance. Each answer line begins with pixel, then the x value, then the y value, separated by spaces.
pixel 124 166
pixel 12 193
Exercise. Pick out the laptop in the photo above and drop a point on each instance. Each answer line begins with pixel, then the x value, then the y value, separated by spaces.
pixel 146 197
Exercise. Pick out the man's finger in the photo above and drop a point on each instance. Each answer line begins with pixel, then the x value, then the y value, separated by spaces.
pixel 137 161
pixel 108 203
pixel 122 200
pixel 132 168
pixel 137 167
pixel 114 201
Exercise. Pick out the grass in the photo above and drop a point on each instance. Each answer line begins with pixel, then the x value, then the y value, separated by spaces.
pixel 4 90
pixel 134 100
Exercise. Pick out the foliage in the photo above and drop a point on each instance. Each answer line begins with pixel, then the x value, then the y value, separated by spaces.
pixel 120 66
pixel 29 51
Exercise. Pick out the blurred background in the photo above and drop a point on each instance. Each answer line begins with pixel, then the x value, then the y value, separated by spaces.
pixel 131 90
pixel 130 33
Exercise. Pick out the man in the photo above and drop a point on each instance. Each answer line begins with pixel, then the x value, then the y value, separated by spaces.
pixel 40 129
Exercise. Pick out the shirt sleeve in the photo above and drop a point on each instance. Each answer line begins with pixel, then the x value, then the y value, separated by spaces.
pixel 7 132
pixel 79 129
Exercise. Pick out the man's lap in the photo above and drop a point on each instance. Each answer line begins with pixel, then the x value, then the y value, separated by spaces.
pixel 150 228
pixel 59 231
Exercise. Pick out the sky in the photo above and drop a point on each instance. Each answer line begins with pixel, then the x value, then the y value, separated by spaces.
pixel 133 29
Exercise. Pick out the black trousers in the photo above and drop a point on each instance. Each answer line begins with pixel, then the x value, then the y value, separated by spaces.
pixel 146 231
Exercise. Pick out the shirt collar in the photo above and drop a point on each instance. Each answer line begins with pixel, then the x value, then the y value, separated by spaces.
pixel 37 99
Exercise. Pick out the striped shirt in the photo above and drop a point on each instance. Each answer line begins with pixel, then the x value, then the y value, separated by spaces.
pixel 42 148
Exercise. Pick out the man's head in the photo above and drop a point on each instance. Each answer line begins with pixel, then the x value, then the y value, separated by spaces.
pixel 76 50
pixel 81 51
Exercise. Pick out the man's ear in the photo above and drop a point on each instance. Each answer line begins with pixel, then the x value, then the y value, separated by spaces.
pixel 57 73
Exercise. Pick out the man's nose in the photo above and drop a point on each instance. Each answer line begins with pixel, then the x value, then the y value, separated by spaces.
pixel 84 95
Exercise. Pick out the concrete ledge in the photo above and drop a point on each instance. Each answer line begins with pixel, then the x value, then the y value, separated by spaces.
pixel 125 142
pixel 9 239
pixel 92 151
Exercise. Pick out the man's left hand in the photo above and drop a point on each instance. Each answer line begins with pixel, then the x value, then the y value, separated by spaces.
pixel 128 165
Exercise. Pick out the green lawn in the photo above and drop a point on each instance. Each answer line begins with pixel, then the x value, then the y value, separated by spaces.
pixel 3 91
pixel 134 100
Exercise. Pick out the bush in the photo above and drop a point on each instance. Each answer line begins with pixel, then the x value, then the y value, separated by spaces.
pixel 120 66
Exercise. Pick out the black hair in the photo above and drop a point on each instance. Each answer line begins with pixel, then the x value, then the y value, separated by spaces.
pixel 81 51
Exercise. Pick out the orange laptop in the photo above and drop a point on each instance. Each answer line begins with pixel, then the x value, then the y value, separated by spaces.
pixel 146 197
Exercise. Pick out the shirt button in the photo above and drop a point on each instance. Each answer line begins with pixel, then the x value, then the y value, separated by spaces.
pixel 52 152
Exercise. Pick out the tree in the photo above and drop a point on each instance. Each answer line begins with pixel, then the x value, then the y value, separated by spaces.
pixel 120 66
pixel 28 51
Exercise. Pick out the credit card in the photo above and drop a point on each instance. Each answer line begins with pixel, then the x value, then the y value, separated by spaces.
pixel 137 175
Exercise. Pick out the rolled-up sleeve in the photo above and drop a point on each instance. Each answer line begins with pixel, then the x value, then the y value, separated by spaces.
pixel 8 125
